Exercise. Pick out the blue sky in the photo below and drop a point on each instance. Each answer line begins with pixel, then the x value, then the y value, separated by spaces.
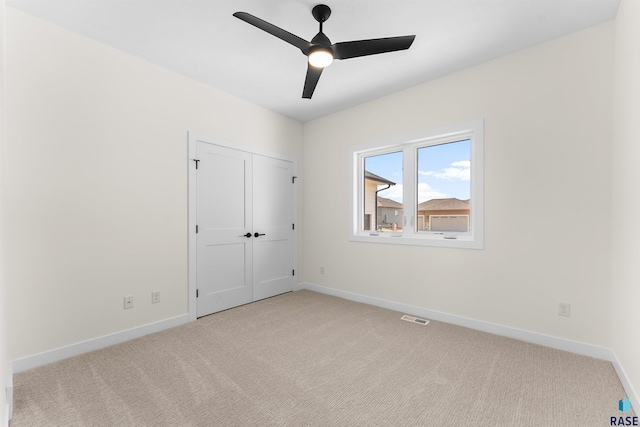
pixel 443 171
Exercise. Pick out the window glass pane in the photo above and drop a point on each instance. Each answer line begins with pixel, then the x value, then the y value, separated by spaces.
pixel 383 192
pixel 444 187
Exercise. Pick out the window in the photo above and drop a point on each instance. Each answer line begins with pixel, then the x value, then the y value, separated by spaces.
pixel 379 208
pixel 420 190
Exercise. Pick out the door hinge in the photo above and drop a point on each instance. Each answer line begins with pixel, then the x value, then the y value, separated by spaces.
pixel 196 229
pixel 197 161
pixel 196 293
pixel 293 179
pixel 293 226
pixel 293 272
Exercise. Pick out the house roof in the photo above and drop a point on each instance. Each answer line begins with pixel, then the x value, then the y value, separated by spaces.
pixel 373 177
pixel 388 203
pixel 444 204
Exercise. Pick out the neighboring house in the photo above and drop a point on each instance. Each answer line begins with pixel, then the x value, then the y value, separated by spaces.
pixel 446 215
pixel 389 213
pixel 372 185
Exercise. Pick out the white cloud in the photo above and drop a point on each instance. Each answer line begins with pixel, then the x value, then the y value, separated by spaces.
pixel 393 193
pixel 462 164
pixel 459 171
pixel 425 192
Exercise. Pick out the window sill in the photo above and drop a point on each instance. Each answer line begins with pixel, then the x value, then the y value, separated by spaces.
pixel 461 242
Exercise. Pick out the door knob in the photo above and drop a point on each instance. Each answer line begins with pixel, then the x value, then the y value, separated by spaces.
pixel 258 234
pixel 246 235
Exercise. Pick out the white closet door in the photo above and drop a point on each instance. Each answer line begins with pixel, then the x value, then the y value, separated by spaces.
pixel 224 254
pixel 273 221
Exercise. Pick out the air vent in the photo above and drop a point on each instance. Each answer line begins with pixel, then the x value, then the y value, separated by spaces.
pixel 415 319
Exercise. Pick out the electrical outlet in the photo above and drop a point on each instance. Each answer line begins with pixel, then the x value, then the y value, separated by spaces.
pixel 128 302
pixel 155 297
pixel 564 309
pixel 322 269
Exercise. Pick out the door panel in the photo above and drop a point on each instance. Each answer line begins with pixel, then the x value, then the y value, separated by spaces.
pixel 272 216
pixel 222 179
pixel 224 261
pixel 272 272
pixel 227 264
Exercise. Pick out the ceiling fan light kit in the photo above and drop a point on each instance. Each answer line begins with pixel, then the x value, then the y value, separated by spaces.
pixel 321 57
pixel 320 51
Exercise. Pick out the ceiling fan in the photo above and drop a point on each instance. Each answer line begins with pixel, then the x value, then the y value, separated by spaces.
pixel 320 50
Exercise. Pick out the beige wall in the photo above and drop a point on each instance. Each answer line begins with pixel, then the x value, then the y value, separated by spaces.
pixel 626 180
pixel 547 123
pixel 94 176
pixel 3 298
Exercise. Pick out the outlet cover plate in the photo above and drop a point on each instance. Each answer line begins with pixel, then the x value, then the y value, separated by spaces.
pixel 564 309
pixel 128 302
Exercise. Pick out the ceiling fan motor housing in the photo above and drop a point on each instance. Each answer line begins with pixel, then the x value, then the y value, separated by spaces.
pixel 322 40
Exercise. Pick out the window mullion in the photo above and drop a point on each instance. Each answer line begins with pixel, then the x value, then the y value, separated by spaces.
pixel 409 175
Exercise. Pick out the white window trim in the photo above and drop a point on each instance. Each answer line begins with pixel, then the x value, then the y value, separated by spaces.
pixel 474 131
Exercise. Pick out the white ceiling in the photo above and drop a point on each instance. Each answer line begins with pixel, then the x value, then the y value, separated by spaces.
pixel 201 39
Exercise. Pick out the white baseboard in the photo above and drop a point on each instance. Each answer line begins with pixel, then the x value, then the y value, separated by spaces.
pixel 626 384
pixel 581 348
pixel 9 391
pixel 57 354
pixel 493 328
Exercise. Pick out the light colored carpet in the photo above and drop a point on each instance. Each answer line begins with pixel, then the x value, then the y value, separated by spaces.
pixel 307 359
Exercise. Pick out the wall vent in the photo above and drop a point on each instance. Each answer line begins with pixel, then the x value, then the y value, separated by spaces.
pixel 415 319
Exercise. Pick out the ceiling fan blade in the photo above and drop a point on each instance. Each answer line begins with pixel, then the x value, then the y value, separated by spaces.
pixel 298 42
pixel 313 75
pixel 346 50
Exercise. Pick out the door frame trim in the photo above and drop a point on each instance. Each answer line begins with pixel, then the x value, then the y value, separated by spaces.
pixel 192 139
